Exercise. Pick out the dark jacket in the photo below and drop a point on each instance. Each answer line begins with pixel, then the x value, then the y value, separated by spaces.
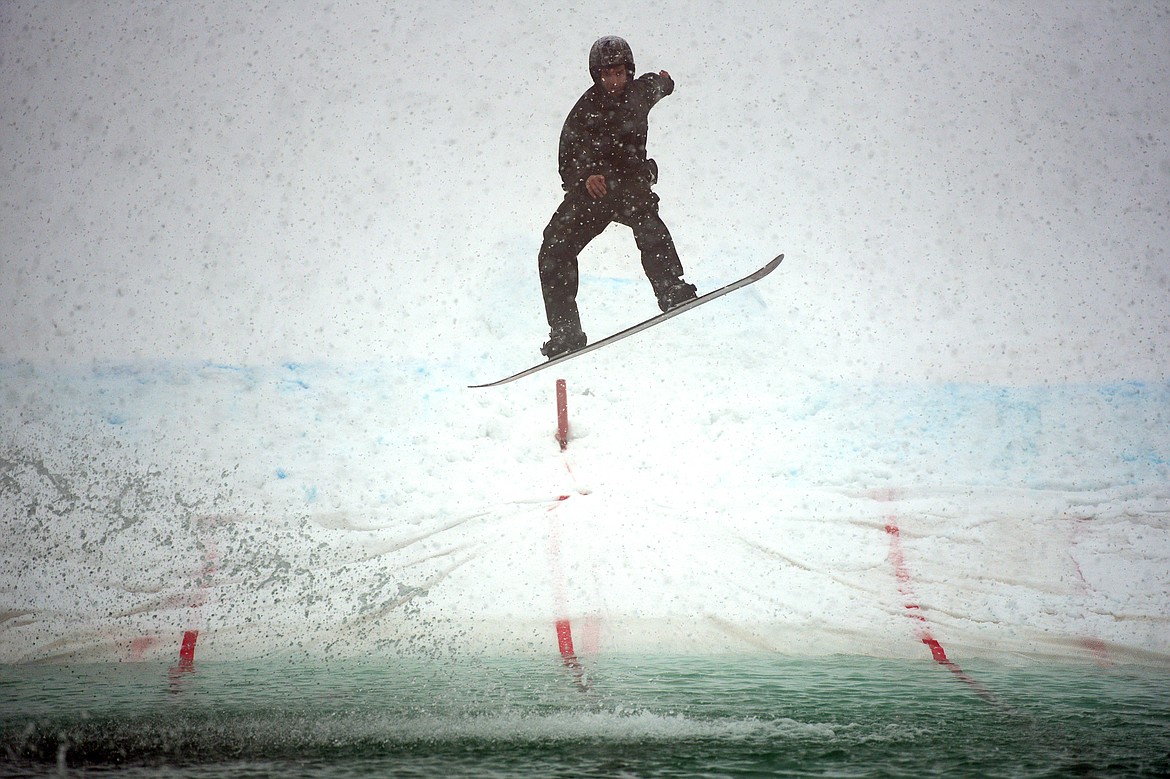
pixel 607 135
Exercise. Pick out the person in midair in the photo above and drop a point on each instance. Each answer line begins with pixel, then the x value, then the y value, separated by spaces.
pixel 607 178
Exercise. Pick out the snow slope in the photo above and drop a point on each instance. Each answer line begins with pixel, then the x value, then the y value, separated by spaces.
pixel 254 256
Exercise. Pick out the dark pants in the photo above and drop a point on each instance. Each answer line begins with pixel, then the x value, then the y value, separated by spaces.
pixel 577 221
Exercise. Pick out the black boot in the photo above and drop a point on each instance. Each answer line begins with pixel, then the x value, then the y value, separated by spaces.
pixel 562 342
pixel 675 295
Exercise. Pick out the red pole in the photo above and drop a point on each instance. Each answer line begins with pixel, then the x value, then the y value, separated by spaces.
pixel 187 650
pixel 562 415
pixel 565 642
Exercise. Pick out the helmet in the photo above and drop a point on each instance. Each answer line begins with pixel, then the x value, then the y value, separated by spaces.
pixel 607 51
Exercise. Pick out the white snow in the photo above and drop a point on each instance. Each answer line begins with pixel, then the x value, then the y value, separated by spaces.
pixel 253 256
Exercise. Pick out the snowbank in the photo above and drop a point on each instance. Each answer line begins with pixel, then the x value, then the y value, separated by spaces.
pixel 253 257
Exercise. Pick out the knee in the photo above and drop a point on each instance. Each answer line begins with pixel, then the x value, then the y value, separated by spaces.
pixel 654 237
pixel 552 259
pixel 558 247
pixel 551 246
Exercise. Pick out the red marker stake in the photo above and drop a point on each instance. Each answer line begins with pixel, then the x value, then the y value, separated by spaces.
pixel 562 414
pixel 914 612
pixel 187 650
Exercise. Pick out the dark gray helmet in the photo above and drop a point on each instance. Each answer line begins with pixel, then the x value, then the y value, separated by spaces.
pixel 607 51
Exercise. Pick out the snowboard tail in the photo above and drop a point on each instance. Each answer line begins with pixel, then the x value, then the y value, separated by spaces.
pixel 749 279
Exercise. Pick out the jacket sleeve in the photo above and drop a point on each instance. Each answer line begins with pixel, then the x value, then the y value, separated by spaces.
pixel 579 155
pixel 657 85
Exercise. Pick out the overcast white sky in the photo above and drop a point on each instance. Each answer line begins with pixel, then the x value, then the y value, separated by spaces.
pixel 962 194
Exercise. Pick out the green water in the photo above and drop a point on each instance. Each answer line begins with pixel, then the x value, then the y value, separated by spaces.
pixel 667 717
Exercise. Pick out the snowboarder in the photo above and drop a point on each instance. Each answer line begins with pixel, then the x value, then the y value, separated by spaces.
pixel 607 178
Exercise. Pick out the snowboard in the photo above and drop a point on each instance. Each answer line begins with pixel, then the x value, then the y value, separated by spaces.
pixel 748 279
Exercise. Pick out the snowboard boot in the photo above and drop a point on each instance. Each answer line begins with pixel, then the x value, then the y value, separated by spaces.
pixel 563 342
pixel 675 295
